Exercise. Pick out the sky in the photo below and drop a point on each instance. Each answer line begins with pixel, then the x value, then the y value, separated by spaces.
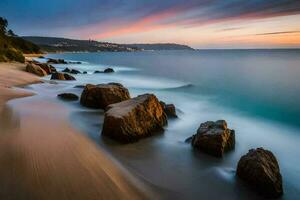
pixel 198 23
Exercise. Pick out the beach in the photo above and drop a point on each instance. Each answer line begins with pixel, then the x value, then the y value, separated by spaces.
pixel 43 157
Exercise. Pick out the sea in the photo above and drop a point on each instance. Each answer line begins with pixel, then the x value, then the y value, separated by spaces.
pixel 256 91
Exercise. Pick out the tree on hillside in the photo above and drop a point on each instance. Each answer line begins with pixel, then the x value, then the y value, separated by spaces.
pixel 11 33
pixel 3 25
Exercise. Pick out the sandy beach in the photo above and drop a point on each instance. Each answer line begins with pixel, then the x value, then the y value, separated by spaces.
pixel 42 157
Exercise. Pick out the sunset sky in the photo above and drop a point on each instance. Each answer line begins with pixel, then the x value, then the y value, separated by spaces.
pixel 198 23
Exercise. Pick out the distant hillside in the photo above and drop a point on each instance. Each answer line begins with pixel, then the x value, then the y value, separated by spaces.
pixel 160 46
pixel 12 47
pixel 53 44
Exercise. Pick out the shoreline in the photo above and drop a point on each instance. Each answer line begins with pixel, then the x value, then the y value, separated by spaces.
pixel 77 163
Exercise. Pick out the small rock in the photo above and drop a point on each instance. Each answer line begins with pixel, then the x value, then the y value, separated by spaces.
pixel 84 72
pixel 214 138
pixel 79 86
pixel 100 96
pixel 109 70
pixel 68 96
pixel 260 169
pixel 56 61
pixel 68 77
pixel 66 70
pixel 74 71
pixel 133 119
pixel 169 109
pixel 97 72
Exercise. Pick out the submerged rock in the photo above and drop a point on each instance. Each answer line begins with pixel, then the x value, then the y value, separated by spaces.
pixel 100 96
pixel 169 109
pixel 85 72
pixel 97 72
pixel 68 96
pixel 109 70
pixel 35 69
pixel 260 169
pixel 62 76
pixel 214 138
pixel 133 119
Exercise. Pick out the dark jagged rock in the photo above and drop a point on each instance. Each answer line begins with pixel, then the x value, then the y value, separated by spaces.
pixel 100 96
pixel 35 69
pixel 68 96
pixel 133 119
pixel 61 76
pixel 84 72
pixel 56 61
pixel 169 109
pixel 109 70
pixel 214 138
pixel 74 71
pixel 53 69
pixel 260 169
pixel 66 70
pixel 97 72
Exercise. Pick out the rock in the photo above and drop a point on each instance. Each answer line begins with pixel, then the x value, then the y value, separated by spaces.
pixel 84 72
pixel 41 57
pixel 108 70
pixel 68 77
pixel 169 109
pixel 58 76
pixel 66 70
pixel 214 138
pixel 56 61
pixel 100 96
pixel 74 62
pixel 68 96
pixel 97 72
pixel 35 69
pixel 74 71
pixel 53 69
pixel 79 86
pixel 133 119
pixel 62 76
pixel 260 169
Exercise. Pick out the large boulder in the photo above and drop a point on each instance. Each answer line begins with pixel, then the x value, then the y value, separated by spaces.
pixel 169 109
pixel 133 119
pixel 62 77
pixel 260 169
pixel 214 138
pixel 68 96
pixel 35 69
pixel 100 96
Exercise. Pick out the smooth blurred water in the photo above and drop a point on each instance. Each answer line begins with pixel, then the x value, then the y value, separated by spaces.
pixel 256 91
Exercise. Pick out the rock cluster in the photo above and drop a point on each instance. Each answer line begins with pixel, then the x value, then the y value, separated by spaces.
pixel 214 138
pixel 100 96
pixel 56 61
pixel 133 119
pixel 260 169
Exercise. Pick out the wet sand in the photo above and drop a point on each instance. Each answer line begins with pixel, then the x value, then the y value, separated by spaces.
pixel 43 157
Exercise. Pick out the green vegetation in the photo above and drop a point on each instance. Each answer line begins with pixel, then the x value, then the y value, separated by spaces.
pixel 12 47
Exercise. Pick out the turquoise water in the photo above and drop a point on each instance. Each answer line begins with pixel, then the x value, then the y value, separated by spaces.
pixel 256 91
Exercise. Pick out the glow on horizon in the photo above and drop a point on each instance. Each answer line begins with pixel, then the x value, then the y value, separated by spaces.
pixel 272 32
